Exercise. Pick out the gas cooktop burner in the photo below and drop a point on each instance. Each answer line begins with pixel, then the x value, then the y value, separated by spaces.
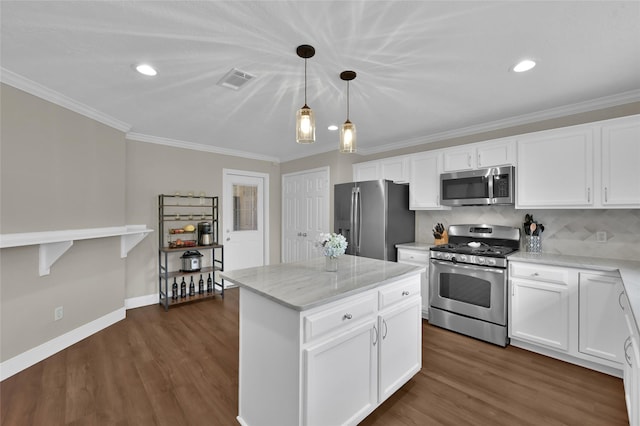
pixel 483 249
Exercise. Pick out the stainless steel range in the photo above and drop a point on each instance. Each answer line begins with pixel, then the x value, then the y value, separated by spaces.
pixel 468 281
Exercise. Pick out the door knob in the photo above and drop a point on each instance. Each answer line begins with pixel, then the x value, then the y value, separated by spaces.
pixel 228 238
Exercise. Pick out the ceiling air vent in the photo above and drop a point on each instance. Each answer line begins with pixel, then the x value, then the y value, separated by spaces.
pixel 235 79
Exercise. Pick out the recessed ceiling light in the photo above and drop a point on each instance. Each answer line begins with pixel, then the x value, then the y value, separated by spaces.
pixel 524 65
pixel 333 127
pixel 146 69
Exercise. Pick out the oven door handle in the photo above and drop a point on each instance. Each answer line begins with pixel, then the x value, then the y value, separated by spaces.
pixel 465 266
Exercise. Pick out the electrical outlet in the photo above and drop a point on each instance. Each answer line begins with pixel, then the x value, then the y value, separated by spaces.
pixel 601 236
pixel 58 313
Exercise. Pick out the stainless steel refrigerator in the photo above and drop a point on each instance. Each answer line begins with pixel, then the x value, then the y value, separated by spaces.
pixel 373 216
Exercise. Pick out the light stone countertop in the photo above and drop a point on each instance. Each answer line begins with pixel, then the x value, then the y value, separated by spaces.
pixel 629 271
pixel 415 246
pixel 304 285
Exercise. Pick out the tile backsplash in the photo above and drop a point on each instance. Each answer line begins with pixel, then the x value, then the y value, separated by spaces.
pixel 571 232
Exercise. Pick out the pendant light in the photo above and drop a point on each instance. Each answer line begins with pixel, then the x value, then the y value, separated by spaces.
pixel 348 129
pixel 305 120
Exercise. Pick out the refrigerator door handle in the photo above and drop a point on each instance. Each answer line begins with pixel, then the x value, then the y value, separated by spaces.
pixel 352 220
pixel 358 224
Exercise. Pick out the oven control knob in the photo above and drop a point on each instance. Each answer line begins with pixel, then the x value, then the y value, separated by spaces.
pixel 463 258
pixel 480 260
pixel 491 261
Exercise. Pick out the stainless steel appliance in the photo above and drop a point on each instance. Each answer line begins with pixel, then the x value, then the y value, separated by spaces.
pixel 191 261
pixel 373 216
pixel 468 281
pixel 482 187
pixel 205 234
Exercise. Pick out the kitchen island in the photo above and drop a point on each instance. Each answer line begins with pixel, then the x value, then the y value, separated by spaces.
pixel 325 348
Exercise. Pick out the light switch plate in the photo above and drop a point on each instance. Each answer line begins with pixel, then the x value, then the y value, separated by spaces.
pixel 601 236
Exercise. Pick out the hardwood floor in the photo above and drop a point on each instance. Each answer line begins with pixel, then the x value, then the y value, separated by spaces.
pixel 181 368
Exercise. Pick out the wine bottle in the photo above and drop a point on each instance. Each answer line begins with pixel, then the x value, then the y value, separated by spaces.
pixel 209 284
pixel 183 289
pixel 192 287
pixel 174 289
pixel 201 285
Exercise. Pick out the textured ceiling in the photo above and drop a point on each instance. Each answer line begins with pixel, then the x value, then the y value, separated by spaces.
pixel 424 68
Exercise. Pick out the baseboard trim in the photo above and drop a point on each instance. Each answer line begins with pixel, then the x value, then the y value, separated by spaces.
pixel 26 359
pixel 140 301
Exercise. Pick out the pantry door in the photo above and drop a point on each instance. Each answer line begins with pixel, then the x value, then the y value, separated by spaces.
pixel 305 213
pixel 245 208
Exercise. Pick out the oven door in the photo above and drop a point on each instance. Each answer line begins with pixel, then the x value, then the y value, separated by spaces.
pixel 469 290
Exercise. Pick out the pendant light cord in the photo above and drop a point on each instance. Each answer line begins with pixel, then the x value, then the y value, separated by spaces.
pixel 347 101
pixel 305 81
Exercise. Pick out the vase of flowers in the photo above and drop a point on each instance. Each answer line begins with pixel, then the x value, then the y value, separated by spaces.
pixel 332 246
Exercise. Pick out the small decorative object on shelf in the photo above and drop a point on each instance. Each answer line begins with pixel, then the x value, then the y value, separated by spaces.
pixel 332 246
pixel 183 289
pixel 532 231
pixel 174 289
pixel 192 287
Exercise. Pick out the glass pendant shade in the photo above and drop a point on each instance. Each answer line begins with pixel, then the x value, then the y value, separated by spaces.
pixel 305 125
pixel 348 137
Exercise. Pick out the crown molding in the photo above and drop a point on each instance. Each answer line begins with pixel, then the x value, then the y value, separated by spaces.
pixel 558 112
pixel 139 137
pixel 36 89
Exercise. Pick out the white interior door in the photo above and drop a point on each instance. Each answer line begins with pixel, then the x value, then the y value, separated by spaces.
pixel 305 212
pixel 245 209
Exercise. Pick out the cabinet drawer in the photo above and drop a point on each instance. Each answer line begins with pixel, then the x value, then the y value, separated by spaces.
pixel 535 272
pixel 402 290
pixel 318 324
pixel 413 256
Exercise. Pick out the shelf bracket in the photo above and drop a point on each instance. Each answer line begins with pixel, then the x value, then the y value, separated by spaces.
pixel 50 253
pixel 129 241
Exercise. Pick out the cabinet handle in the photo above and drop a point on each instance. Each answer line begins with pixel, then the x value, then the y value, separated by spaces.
pixel 535 274
pixel 620 300
pixel 469 160
pixel 375 335
pixel 479 160
pixel 627 345
pixel 588 195
pixel 606 198
pixel 347 317
pixel 405 293
pixel 304 234
pixel 384 336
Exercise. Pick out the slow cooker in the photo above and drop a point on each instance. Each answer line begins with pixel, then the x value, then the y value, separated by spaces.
pixel 191 261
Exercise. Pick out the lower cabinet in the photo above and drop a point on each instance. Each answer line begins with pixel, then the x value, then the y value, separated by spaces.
pixel 418 257
pixel 631 363
pixel 329 365
pixel 567 313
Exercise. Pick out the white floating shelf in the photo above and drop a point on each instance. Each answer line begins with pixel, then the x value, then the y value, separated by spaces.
pixel 53 244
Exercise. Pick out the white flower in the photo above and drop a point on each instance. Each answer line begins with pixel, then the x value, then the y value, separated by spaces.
pixel 332 245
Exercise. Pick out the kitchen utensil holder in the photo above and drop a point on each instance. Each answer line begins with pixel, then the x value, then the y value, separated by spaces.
pixel 533 244
pixel 443 240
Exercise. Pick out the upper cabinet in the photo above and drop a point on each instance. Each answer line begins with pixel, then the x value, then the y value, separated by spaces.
pixel 393 168
pixel 620 163
pixel 480 155
pixel 555 169
pixel 588 166
pixel 424 181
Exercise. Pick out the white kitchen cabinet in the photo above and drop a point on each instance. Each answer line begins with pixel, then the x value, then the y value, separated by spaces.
pixel 424 181
pixel 369 170
pixel 499 152
pixel 620 159
pixel 418 257
pixel 555 169
pixel 631 363
pixel 341 377
pixel 400 346
pixel 395 169
pixel 602 327
pixel 540 305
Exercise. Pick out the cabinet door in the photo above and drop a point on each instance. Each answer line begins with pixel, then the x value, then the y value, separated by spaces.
pixel 459 159
pixel 491 154
pixel 540 313
pixel 602 324
pixel 340 386
pixel 395 169
pixel 366 171
pixel 555 169
pixel 400 346
pixel 631 378
pixel 620 160
pixel 424 181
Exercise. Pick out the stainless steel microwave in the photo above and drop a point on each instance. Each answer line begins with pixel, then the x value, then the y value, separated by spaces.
pixel 482 187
